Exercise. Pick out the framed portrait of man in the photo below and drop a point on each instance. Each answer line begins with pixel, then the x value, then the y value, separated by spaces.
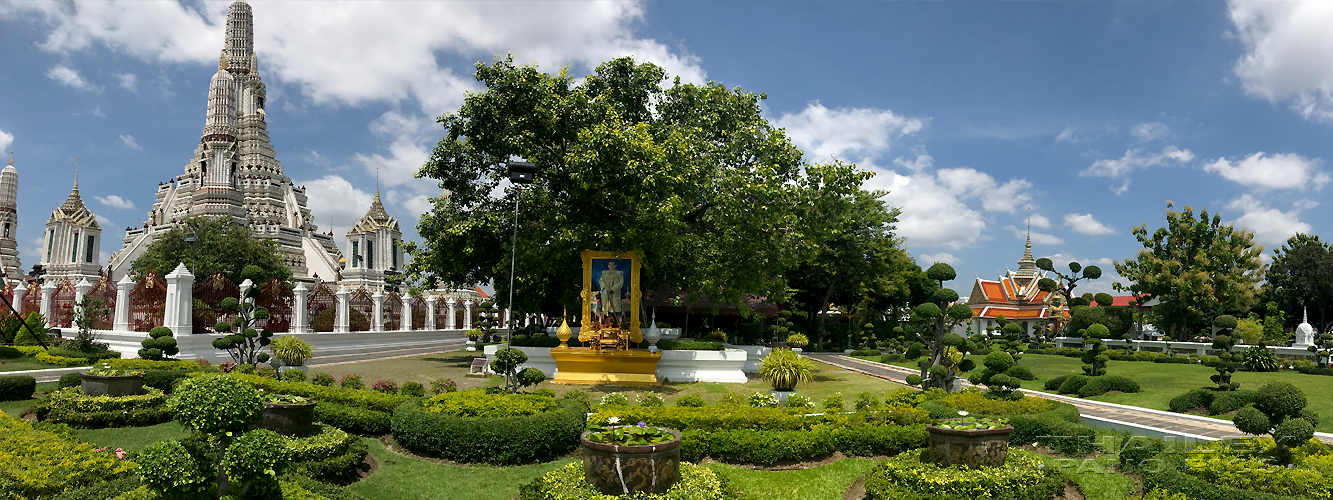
pixel 610 291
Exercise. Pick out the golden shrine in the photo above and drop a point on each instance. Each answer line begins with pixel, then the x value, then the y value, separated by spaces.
pixel 610 321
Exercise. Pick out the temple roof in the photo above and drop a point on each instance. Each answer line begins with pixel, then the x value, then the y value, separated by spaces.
pixel 375 218
pixel 73 211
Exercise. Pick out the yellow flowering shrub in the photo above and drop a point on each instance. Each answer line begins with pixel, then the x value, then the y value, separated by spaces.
pixel 906 476
pixel 43 357
pixel 568 483
pixel 39 464
pixel 1236 466
pixel 480 404
pixel 71 406
pixel 977 402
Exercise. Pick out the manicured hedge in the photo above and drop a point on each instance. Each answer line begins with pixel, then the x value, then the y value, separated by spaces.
pixel 1097 386
pixel 7 352
pixel 866 352
pixel 43 357
pixel 17 387
pixel 353 419
pixel 1022 477
pixel 504 441
pixel 328 454
pixel 71 406
pixel 1058 429
pixel 1214 402
pixel 102 491
pixel 688 345
pixel 359 398
pixel 40 464
pixel 1165 471
pixel 738 446
pixel 148 364
pixel 769 419
pixel 70 380
pixel 568 482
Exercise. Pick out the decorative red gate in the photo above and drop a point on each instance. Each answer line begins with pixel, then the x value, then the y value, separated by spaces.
pixel 418 313
pixel 105 291
pixel 362 306
pixel 393 312
pixel 278 299
pixel 321 309
pixel 62 305
pixel 148 302
pixel 207 305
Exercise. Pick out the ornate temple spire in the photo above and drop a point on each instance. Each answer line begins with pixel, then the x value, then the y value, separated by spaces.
pixel 1027 266
pixel 240 38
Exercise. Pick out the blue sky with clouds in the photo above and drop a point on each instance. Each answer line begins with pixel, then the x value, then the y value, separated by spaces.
pixel 1093 114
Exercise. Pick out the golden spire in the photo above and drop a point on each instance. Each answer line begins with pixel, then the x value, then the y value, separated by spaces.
pixel 11 158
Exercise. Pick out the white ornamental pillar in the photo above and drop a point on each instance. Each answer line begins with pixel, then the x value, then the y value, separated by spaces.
pixel 300 313
pixel 245 288
pixel 19 292
pixel 453 312
pixel 430 312
pixel 377 322
pixel 48 289
pixel 467 315
pixel 123 288
pixel 406 323
pixel 80 291
pixel 178 315
pixel 343 324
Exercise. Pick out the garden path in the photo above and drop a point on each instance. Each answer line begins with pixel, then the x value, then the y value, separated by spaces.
pixel 1107 415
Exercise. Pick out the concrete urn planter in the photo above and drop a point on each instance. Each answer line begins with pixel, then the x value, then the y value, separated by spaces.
pixel 97 385
pixel 622 470
pixel 970 448
pixel 288 420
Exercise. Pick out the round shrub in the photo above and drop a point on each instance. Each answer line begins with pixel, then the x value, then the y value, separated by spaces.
pixel 1280 399
pixel 254 461
pixel 17 387
pixel 799 402
pixel 71 406
pixel 1229 401
pixel 914 380
pixel 166 466
pixel 351 381
pixel 160 344
pixel 1021 477
pixel 322 379
pixel 696 481
pixel 1293 432
pixel 503 440
pixel 1072 384
pixel 70 380
pixel 1197 399
pixel 912 353
pixel 1020 372
pixel 414 389
pixel 1107 383
pixel 691 401
pixel 215 404
pixel 480 404
pixel 937 409
pixel 530 376
pixel 999 361
pixel 293 376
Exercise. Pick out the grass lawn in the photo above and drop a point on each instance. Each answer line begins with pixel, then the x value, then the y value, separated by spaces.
pixel 132 438
pixel 1096 476
pixel 454 365
pixel 16 407
pixel 25 363
pixel 404 478
pixel 826 482
pixel 1162 381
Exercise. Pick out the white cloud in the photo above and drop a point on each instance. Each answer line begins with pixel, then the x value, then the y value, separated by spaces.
pixel 102 220
pixel 1279 171
pixel 1289 53
pixel 1086 224
pixel 335 201
pixel 1068 135
pixel 932 215
pixel 319 46
pixel 410 144
pixel 995 197
pixel 1270 225
pixel 6 139
pixel 129 142
pixel 944 257
pixel 849 134
pixel 70 78
pixel 31 254
pixel 128 81
pixel 417 205
pixel 1039 220
pixel 115 202
pixel 1135 159
pixel 1150 131
pixel 1038 238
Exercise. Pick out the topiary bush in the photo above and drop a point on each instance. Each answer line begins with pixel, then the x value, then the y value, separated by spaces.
pixel 160 344
pixel 351 381
pixel 691 401
pixel 216 404
pixel 254 461
pixel 73 379
pixel 1073 384
pixel 1107 383
pixel 294 376
pixel 71 406
pixel 1224 341
pixel 1279 410
pixel 17 387
pixel 167 467
pixel 1094 353
pixel 326 454
pixel 414 389
pixel 38 463
pixel 1197 399
pixel 352 419
pixel 696 482
pixel 1022 476
pixel 501 440
pixel 1227 402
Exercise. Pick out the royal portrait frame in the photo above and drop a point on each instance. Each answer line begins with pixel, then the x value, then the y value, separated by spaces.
pixel 635 290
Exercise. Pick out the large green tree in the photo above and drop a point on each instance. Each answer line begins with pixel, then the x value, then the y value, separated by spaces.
pixel 1199 268
pixel 719 201
pixel 209 246
pixel 1301 275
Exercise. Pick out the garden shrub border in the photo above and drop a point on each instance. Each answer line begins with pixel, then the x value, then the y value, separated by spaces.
pixel 71 406
pixel 500 441
pixel 37 463
pixel 352 419
pixel 568 482
pixel 1162 467
pixel 1021 478
pixel 360 398
pixel 17 387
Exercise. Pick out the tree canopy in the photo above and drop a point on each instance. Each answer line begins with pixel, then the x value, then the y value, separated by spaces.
pixel 1199 268
pixel 718 200
pixel 1301 274
pixel 220 246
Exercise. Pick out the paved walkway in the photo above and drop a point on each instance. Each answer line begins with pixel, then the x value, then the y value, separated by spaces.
pixel 1106 415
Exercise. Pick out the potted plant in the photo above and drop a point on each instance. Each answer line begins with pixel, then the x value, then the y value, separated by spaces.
pixel 969 441
pixel 292 351
pixel 621 460
pixel 472 336
pixel 797 341
pixel 286 414
pixel 102 380
pixel 784 369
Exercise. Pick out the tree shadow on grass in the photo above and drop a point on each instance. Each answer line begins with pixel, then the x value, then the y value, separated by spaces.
pixel 452 361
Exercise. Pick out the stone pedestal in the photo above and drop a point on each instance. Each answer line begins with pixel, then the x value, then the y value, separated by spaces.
pixel 975 448
pixel 96 385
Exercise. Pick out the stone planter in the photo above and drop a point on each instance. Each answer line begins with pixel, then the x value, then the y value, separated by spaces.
pixel 288 420
pixel 96 385
pixel 471 345
pixel 782 395
pixel 286 367
pixel 621 470
pixel 973 448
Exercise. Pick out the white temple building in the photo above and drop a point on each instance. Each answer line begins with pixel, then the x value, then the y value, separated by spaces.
pixel 374 247
pixel 235 173
pixel 10 267
pixel 70 246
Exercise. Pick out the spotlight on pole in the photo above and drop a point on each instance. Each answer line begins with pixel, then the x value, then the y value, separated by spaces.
pixel 521 172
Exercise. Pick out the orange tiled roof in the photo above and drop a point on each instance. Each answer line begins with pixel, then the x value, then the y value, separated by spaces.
pixel 993 290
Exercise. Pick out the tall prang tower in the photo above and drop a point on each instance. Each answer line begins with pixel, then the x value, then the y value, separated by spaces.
pixel 234 171
pixel 9 222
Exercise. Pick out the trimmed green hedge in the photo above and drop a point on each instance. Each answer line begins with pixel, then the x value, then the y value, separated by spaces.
pixel 41 464
pixel 866 352
pixel 568 483
pixel 1215 402
pixel 503 441
pixel 1058 429
pixel 359 398
pixel 328 454
pixel 17 387
pixel 71 406
pixel 688 345
pixel 353 419
pixel 1020 478
pixel 768 419
pixel 102 491
pixel 1165 470
pixel 764 447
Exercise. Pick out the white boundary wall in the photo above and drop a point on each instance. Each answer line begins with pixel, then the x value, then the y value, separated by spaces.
pixel 725 366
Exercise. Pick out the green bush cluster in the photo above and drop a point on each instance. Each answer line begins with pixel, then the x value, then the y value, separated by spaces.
pixel 102 491
pixel 866 352
pixel 37 463
pixel 976 402
pixel 1163 466
pixel 148 364
pixel 1222 464
pixel 353 419
pixel 1085 386
pixel 1211 401
pixel 505 440
pixel 71 406
pixel 351 397
pixel 772 447
pixel 17 387
pixel 1058 429
pixel 691 401
pixel 688 345
pixel 1022 477
pixel 748 418
pixel 293 375
pixel 160 344
pixel 568 483
pixel 534 341
pixel 480 404
pixel 327 454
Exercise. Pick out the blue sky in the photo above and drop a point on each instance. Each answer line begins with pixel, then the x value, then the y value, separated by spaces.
pixel 1093 114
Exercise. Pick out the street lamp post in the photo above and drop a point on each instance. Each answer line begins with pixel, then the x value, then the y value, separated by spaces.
pixel 520 172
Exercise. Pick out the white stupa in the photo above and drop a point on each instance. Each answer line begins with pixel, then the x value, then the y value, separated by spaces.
pixel 1304 331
